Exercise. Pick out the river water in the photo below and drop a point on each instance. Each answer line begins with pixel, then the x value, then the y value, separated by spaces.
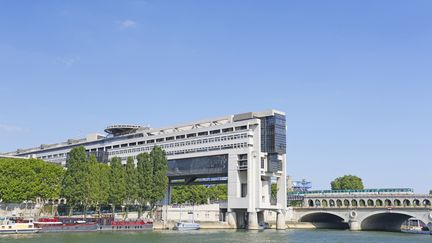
pixel 210 236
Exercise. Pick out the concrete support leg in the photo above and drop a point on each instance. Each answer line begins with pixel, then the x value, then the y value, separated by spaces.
pixel 280 221
pixel 231 219
pixel 354 226
pixel 253 221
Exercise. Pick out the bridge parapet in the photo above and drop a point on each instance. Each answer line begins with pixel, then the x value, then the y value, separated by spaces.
pixel 367 200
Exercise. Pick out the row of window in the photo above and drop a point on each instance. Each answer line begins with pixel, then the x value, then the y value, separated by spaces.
pixel 202 149
pixel 159 140
pixel 180 144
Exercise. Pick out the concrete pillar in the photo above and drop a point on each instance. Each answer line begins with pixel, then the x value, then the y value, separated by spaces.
pixel 354 225
pixel 231 219
pixel 253 221
pixel 280 221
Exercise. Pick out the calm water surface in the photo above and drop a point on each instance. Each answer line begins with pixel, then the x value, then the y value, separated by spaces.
pixel 210 236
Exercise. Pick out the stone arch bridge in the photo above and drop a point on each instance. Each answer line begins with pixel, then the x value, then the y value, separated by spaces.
pixel 365 212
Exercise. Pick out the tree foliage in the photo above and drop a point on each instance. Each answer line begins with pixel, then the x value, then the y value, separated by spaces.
pixel 100 183
pixel 76 183
pixel 29 179
pixel 131 178
pixel 145 178
pixel 198 194
pixel 347 182
pixel 86 182
pixel 160 179
pixel 273 191
pixel 117 192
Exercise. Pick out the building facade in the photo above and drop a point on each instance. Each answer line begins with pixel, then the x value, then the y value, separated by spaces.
pixel 247 151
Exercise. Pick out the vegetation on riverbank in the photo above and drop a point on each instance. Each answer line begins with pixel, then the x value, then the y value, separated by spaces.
pixel 85 182
pixel 198 194
pixel 29 179
pixel 88 183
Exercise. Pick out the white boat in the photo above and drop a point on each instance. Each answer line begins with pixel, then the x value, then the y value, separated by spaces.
pixel 415 226
pixel 182 226
pixel 14 226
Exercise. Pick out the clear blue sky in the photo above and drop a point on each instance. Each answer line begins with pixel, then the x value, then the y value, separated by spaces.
pixel 354 77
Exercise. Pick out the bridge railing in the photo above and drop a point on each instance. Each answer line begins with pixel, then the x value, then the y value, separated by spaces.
pixel 354 192
pixel 413 202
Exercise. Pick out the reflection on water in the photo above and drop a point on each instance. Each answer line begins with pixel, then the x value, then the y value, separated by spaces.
pixel 210 236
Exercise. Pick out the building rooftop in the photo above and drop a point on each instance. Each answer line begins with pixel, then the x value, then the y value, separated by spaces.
pixel 126 129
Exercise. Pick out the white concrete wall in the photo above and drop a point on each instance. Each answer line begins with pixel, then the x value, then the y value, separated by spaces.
pixel 200 213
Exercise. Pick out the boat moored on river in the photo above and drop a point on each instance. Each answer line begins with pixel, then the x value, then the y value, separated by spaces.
pixel 17 226
pixel 64 225
pixel 125 225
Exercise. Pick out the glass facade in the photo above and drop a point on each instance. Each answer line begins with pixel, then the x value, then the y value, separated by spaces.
pixel 205 166
pixel 273 134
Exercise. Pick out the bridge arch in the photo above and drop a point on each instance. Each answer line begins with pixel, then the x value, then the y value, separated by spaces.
pixel 387 221
pixel 426 202
pixel 397 203
pixel 387 203
pixel 370 203
pixel 325 220
pixel 346 203
pixel 324 203
pixel 406 203
pixel 379 203
pixel 354 203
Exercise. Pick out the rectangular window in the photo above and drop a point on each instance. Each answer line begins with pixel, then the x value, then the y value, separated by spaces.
pixel 141 142
pixel 243 190
pixel 215 131
pixel 169 138
pixel 124 145
pixel 132 144
pixel 202 133
pixel 241 128
pixel 160 140
pixel 150 141
pixel 180 136
pixel 229 129
pixel 191 135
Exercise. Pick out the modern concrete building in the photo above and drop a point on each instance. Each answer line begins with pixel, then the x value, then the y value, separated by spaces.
pixel 246 151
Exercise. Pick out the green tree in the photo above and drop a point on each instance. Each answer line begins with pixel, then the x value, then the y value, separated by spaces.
pixel 29 179
pixel 76 186
pixel 117 190
pixel 131 174
pixel 145 179
pixel 160 179
pixel 198 194
pixel 217 193
pixel 347 182
pixel 100 183
pixel 273 191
